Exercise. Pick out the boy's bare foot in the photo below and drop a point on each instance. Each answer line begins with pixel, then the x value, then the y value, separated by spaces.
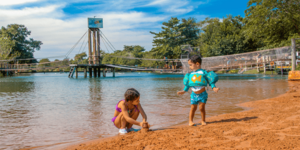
pixel 191 123
pixel 203 123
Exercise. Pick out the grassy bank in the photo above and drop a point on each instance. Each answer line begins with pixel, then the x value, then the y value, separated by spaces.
pixel 254 71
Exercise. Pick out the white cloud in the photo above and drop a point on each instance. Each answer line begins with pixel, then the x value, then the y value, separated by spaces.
pixel 15 2
pixel 59 35
pixel 159 2
pixel 180 10
pixel 171 6
pixel 31 12
pixel 59 31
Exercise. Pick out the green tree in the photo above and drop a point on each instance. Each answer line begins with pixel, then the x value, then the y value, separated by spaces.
pixel 223 37
pixel 272 22
pixel 174 34
pixel 80 57
pixel 150 63
pixel 6 49
pixel 15 44
pixel 65 62
pixel 44 62
pixel 135 51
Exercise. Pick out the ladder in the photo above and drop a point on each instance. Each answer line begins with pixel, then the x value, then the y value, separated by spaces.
pixel 71 72
pixel 242 71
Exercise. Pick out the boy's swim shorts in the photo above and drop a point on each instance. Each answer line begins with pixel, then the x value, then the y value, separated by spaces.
pixel 196 98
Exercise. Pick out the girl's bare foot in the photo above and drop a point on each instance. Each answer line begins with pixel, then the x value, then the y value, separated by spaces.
pixel 203 123
pixel 191 124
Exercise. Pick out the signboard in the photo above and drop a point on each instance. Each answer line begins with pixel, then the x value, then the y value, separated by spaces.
pixel 95 22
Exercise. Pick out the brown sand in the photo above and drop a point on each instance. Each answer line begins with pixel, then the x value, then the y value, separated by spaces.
pixel 271 124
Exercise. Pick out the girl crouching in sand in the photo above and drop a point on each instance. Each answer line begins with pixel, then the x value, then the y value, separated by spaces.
pixel 127 111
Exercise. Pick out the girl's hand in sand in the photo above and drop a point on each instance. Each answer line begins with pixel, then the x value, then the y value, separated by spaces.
pixel 180 92
pixel 141 124
pixel 146 125
pixel 216 89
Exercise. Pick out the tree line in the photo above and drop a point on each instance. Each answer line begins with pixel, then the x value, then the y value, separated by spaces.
pixel 267 24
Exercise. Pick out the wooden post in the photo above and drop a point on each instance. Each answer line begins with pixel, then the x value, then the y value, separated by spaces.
pixel 95 72
pixel 114 72
pixel 104 74
pixel 94 46
pixel 90 49
pixel 264 63
pixel 281 68
pixel 98 47
pixel 257 64
pixel 85 72
pixel 275 68
pixel 293 55
pixel 99 72
pixel 76 72
pixel 227 63
pixel 90 72
pixel 297 55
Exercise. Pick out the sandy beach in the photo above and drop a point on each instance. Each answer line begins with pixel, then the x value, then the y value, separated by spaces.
pixel 265 124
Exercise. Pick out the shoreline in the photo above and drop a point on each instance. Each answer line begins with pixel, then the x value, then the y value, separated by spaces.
pixel 270 123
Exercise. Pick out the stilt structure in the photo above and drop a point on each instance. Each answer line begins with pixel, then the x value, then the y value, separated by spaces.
pixel 94 65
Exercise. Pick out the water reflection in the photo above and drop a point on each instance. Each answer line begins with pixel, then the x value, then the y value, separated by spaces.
pixel 16 112
pixel 95 108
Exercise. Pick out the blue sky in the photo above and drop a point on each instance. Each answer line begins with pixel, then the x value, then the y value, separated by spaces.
pixel 59 24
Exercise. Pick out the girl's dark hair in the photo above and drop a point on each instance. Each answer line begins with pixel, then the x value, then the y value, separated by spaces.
pixel 196 58
pixel 131 94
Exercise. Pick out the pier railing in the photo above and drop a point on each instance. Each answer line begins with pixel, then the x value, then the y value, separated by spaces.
pixel 250 60
pixel 33 66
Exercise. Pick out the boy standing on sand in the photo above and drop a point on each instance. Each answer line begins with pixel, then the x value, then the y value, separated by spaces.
pixel 198 80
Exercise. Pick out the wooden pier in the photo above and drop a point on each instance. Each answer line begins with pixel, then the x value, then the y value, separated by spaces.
pixel 6 69
pixel 93 69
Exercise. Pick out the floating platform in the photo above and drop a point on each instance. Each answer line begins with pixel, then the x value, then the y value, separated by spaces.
pixel 294 75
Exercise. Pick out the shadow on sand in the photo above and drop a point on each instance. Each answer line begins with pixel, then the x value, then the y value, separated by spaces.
pixel 233 120
pixel 223 120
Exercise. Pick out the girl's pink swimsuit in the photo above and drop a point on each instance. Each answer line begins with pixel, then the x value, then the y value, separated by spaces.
pixel 120 110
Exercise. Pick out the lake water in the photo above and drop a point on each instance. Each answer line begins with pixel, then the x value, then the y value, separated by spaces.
pixel 50 110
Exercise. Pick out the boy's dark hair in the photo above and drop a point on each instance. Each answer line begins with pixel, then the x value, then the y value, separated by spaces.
pixel 131 94
pixel 196 58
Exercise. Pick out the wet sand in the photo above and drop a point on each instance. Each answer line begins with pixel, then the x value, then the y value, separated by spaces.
pixel 269 124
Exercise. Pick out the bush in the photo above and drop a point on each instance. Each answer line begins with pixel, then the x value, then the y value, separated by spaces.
pixel 233 71
pixel 221 72
pixel 298 67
